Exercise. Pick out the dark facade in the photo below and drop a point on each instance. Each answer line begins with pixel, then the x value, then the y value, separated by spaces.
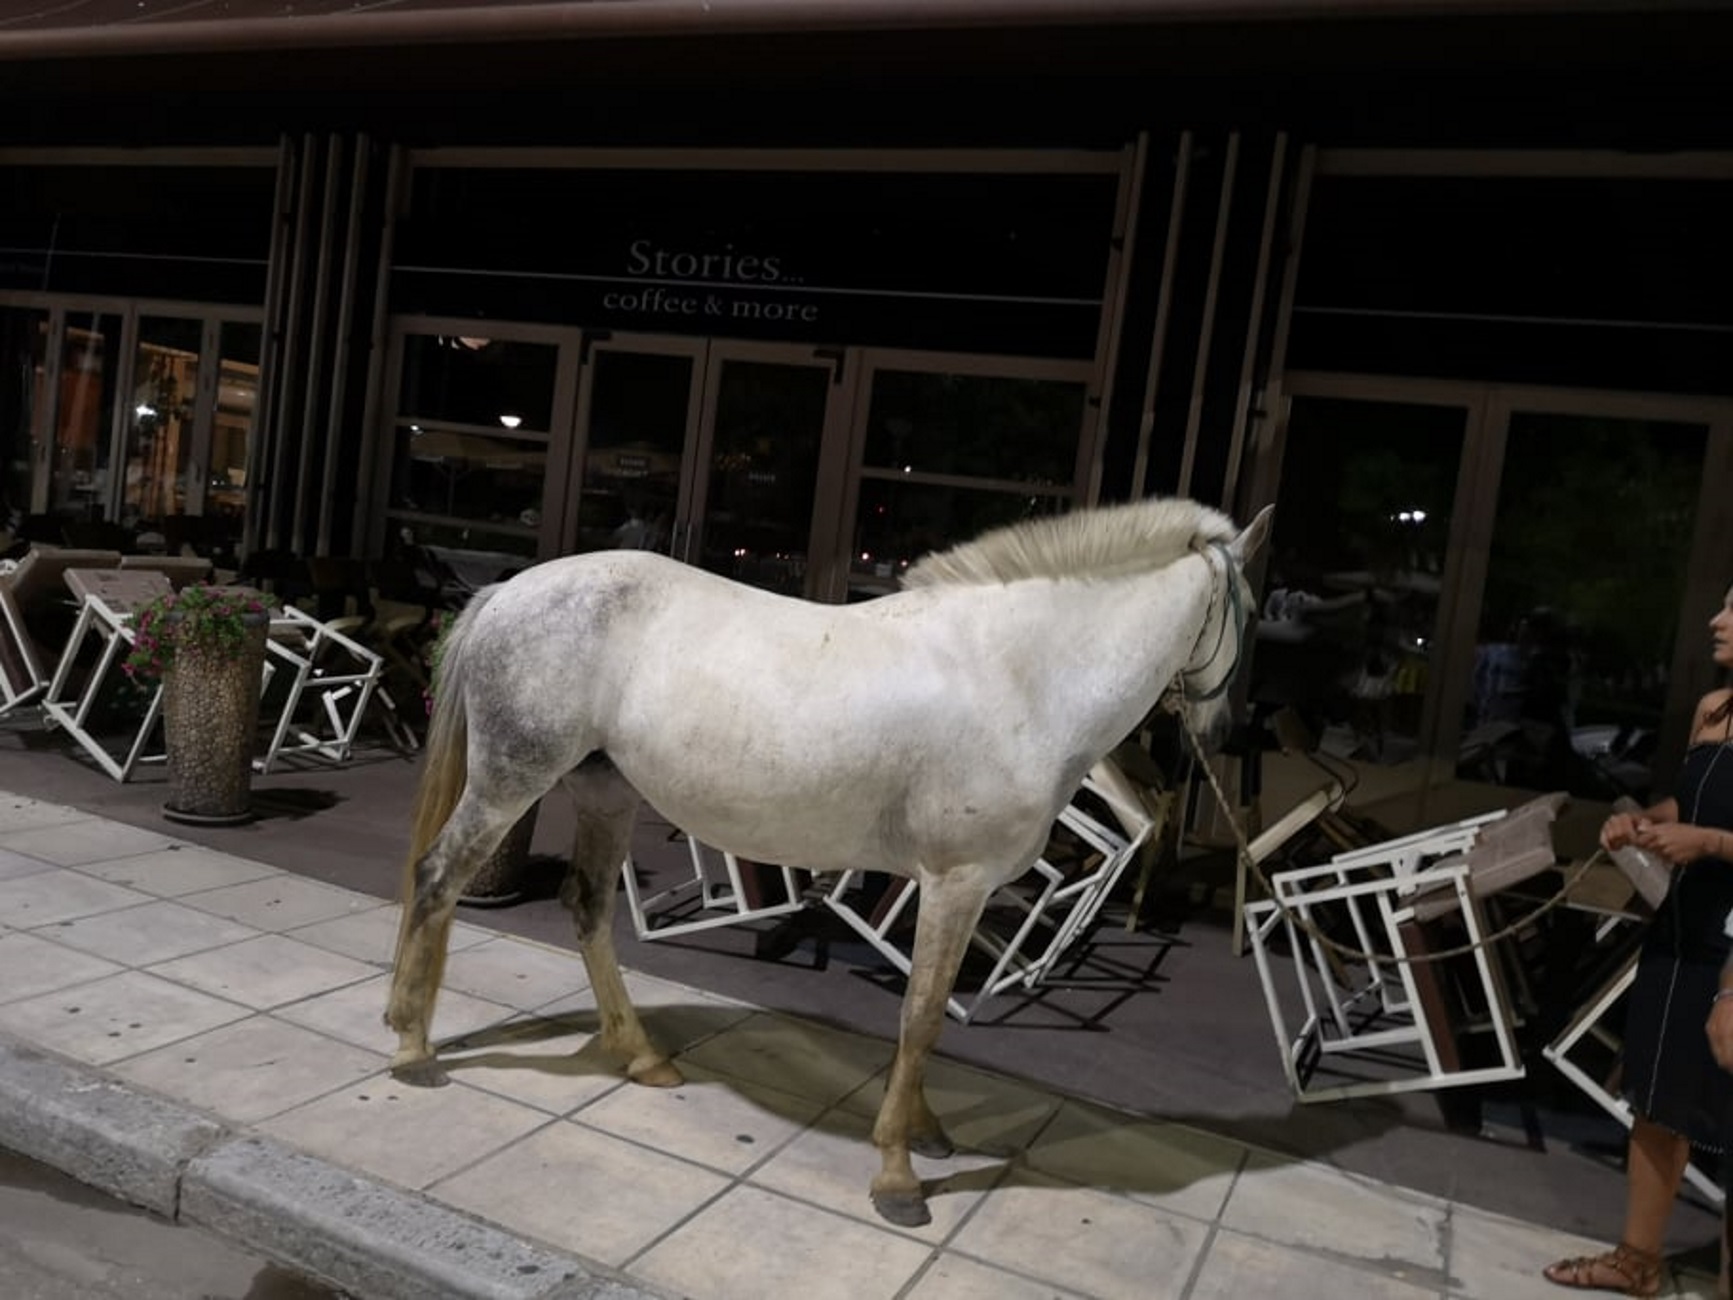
pixel 798 291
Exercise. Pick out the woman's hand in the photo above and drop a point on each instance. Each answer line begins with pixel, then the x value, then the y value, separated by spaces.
pixel 1677 842
pixel 1618 830
pixel 1720 1031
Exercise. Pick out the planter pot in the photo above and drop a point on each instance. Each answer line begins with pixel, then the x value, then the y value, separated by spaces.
pixel 210 710
pixel 505 875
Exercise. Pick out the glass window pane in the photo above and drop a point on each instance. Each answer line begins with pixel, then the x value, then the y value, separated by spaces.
pixel 478 382
pixel 232 430
pixel 763 463
pixel 899 522
pixel 165 384
pixel 23 371
pixel 1572 656
pixel 639 408
pixel 90 359
pixel 1349 626
pixel 1023 430
pixel 495 481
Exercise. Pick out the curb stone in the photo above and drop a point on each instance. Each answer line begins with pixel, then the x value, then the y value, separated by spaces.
pixel 370 1239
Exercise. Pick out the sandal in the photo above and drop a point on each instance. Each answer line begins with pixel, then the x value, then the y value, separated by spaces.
pixel 1624 1270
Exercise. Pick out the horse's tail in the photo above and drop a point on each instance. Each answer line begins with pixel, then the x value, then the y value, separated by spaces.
pixel 445 761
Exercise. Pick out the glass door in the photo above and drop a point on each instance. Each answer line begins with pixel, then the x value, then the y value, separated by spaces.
pixel 720 453
pixel 1589 550
pixel 79 426
pixel 1361 563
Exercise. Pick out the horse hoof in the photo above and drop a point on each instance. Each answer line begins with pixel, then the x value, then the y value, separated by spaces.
pixel 904 1209
pixel 656 1074
pixel 424 1073
pixel 934 1146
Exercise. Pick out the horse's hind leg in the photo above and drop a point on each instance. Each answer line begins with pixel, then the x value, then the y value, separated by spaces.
pixel 606 808
pixel 950 907
pixel 474 829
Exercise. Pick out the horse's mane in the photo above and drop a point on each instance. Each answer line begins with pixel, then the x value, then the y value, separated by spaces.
pixel 1112 540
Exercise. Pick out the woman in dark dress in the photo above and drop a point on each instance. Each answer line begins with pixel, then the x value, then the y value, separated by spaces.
pixel 1678 1095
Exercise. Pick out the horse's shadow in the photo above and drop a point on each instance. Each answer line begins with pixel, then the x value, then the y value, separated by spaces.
pixel 1009 1132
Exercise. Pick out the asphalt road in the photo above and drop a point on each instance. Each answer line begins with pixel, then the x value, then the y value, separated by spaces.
pixel 61 1240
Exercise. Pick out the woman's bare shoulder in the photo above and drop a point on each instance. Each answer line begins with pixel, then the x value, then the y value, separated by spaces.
pixel 1711 721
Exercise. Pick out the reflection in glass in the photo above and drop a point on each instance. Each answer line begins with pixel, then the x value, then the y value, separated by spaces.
pixel 231 431
pixel 90 357
pixel 763 463
pixel 638 418
pixel 899 522
pixel 1586 574
pixel 479 382
pixel 496 481
pixel 159 438
pixel 1350 615
pixel 983 426
pixel 23 371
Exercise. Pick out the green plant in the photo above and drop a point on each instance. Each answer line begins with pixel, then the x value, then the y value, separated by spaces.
pixel 213 620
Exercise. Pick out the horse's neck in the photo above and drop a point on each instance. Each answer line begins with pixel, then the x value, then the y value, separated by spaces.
pixel 1116 645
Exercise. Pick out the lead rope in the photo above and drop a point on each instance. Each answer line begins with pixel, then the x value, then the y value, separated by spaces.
pixel 1310 927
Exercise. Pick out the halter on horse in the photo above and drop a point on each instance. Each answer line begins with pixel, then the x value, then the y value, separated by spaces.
pixel 933 733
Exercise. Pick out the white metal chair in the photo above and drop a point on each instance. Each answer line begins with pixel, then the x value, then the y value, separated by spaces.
pixel 36 580
pixel 318 684
pixel 1391 1023
pixel 82 689
pixel 1050 907
pixel 722 891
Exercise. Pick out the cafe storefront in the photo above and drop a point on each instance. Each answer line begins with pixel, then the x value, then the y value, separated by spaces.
pixel 1470 344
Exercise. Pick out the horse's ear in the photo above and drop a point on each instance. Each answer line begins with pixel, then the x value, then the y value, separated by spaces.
pixel 1251 540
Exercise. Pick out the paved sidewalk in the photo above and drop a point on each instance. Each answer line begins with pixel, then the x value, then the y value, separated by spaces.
pixel 201 1034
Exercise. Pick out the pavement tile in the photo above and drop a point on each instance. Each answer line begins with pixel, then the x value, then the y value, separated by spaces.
pixel 555 1064
pixel 71 843
pixel 1169 1165
pixel 120 1016
pixel 727 1125
pixel 515 972
pixel 267 971
pixel 153 932
pixel 250 1070
pixel 1238 1267
pixel 1495 1258
pixel 355 1013
pixel 30 966
pixel 1087 1240
pixel 952 1277
pixel 980 1111
pixel 1397 1232
pixel 832 1165
pixel 371 936
pixel 18 813
pixel 584 1191
pixel 179 869
pixel 21 864
pixel 795 1250
pixel 28 902
pixel 793 1055
pixel 281 902
pixel 405 1135
pixel 676 1017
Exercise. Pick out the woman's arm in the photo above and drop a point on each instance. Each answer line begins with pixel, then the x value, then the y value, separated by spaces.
pixel 1659 829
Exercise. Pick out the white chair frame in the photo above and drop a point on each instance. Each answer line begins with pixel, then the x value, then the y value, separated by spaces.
pixel 718 890
pixel 301 646
pixel 1379 1017
pixel 114 628
pixel 1067 905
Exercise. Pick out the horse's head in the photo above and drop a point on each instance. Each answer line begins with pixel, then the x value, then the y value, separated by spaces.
pixel 1201 690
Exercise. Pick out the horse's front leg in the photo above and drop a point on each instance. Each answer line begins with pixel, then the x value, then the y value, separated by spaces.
pixel 950 908
pixel 606 808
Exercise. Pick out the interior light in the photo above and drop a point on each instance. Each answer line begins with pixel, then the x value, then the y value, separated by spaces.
pixel 511 421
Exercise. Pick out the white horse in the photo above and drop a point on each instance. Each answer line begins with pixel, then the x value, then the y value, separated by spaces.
pixel 935 733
